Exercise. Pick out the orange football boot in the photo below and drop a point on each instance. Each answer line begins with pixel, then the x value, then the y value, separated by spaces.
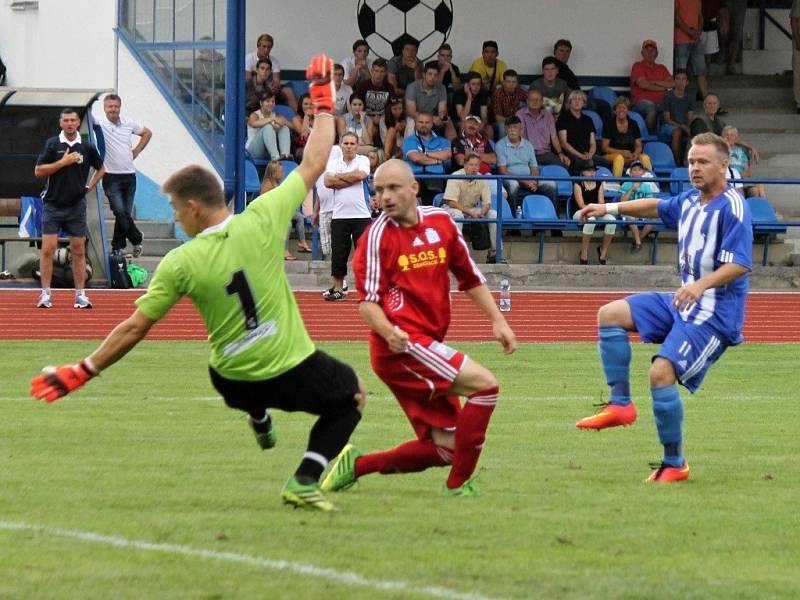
pixel 667 474
pixel 612 415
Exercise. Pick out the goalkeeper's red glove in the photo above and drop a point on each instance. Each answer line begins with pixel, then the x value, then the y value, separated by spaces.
pixel 321 89
pixel 55 382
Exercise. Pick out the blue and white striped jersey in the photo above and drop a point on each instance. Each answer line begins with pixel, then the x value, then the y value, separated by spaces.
pixel 709 236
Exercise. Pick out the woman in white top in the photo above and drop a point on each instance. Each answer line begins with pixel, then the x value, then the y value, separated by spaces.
pixel 268 133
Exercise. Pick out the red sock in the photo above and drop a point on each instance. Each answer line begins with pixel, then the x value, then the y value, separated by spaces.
pixel 409 457
pixel 473 420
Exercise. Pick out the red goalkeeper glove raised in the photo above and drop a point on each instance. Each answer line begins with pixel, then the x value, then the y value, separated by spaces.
pixel 55 382
pixel 320 72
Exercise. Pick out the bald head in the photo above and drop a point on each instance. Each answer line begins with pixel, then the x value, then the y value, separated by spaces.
pixel 396 168
pixel 396 191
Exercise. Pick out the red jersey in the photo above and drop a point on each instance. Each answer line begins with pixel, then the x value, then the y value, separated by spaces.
pixel 406 270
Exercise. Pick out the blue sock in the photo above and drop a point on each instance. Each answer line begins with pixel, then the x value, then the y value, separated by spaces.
pixel 668 412
pixel 615 355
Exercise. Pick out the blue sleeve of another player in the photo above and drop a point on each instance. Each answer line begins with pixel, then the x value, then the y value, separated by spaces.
pixel 669 210
pixel 737 235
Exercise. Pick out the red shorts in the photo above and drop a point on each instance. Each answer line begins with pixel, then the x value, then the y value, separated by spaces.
pixel 419 379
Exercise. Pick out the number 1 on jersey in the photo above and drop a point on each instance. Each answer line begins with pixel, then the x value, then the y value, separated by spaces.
pixel 241 288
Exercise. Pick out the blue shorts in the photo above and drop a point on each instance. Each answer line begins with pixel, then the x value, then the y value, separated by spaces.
pixel 69 219
pixel 691 55
pixel 691 348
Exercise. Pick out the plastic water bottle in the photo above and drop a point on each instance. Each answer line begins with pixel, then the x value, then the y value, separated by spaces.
pixel 518 213
pixel 505 295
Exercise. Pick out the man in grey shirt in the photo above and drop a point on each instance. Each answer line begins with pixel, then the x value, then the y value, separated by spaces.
pixel 428 96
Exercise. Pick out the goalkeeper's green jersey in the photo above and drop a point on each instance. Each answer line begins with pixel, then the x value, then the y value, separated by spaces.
pixel 234 274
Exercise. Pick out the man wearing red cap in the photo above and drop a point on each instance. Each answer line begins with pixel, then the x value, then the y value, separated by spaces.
pixel 649 81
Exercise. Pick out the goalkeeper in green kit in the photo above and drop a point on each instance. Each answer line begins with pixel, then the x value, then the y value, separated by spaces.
pixel 233 272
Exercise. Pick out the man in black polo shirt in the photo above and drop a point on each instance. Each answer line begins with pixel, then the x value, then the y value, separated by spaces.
pixel 66 161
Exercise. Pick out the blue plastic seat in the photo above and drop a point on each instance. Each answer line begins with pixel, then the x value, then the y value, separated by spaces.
pixel 288 167
pixel 438 200
pixel 765 222
pixel 598 123
pixel 252 184
pixel 639 119
pixel 680 181
pixel 602 92
pixel 299 86
pixel 661 156
pixel 605 173
pixel 536 207
pixel 564 187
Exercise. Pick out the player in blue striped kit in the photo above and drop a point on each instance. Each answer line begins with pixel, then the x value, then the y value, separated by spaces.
pixel 695 324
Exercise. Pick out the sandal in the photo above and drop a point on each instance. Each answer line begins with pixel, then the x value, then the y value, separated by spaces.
pixel 583 261
pixel 289 257
pixel 304 250
pixel 600 257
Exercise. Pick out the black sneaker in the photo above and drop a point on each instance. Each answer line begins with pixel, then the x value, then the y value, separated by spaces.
pixel 336 296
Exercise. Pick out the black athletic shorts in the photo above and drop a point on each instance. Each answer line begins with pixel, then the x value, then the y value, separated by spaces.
pixel 320 385
pixel 69 219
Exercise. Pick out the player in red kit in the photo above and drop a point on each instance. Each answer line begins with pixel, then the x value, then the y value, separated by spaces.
pixel 403 281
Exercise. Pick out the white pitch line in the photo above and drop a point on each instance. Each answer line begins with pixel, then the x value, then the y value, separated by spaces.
pixel 346 577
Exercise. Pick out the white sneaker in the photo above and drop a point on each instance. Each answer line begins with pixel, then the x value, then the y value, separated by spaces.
pixel 344 285
pixel 45 301
pixel 81 301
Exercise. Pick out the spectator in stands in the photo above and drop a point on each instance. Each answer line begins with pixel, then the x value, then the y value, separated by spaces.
pixel 741 159
pixel 376 92
pixel 633 190
pixel 449 74
pixel 795 21
pixel 490 68
pixel 427 95
pixel 516 156
pixel 357 67
pixel 426 153
pixel 576 134
pixel 65 163
pixel 323 211
pixel 209 76
pixel 736 11
pixel 622 140
pixel 264 44
pixel 649 81
pixel 393 127
pixel 405 69
pixel 273 175
pixel 539 128
pixel 562 50
pixel 472 141
pixel 472 199
pixel 591 192
pixel 506 100
pixel 119 182
pixel 268 133
pixel 710 36
pixel 554 90
pixel 356 122
pixel 472 100
pixel 689 47
pixel 302 123
pixel 256 86
pixel 346 176
pixel 709 120
pixel 677 111
pixel 343 91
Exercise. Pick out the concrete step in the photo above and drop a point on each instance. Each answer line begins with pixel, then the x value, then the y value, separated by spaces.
pixel 789 160
pixel 758 122
pixel 150 229
pixel 156 247
pixel 769 144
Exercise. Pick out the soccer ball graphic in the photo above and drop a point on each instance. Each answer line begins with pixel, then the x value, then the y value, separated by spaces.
pixel 387 24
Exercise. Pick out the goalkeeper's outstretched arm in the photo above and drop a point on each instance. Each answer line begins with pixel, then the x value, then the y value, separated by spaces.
pixel 55 382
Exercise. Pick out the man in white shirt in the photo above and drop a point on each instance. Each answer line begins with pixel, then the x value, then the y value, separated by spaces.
pixel 346 175
pixel 119 181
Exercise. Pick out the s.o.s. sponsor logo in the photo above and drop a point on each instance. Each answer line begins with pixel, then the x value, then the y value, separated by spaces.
pixel 423 258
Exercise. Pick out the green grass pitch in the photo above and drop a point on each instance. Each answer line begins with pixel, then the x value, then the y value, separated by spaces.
pixel 147 456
